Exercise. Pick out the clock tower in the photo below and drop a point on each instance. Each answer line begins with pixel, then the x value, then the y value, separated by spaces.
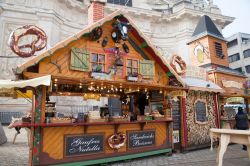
pixel 207 46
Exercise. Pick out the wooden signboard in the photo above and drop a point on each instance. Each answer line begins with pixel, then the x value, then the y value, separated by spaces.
pixel 76 145
pixel 139 139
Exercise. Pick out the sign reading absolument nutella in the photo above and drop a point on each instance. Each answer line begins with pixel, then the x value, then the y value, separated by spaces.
pixel 83 144
pixel 138 139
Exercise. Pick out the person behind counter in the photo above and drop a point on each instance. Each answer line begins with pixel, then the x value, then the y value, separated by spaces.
pixel 242 122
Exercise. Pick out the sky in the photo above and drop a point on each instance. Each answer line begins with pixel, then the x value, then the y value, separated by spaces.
pixel 240 9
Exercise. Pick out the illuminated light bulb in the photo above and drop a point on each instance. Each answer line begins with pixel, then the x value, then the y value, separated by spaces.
pixel 129 89
pixel 116 89
pixel 108 91
pixel 138 89
pixel 56 80
pixel 146 90
pixel 55 85
pixel 101 88
pixel 91 83
pixel 160 91
pixel 120 90
pixel 80 86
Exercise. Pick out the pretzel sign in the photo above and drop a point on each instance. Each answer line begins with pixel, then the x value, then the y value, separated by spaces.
pixel 27 50
pixel 178 64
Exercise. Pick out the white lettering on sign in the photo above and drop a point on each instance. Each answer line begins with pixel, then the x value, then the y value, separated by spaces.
pixel 141 139
pixel 80 145
pixel 232 84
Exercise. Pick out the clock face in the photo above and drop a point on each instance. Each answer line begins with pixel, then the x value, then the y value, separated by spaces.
pixel 199 53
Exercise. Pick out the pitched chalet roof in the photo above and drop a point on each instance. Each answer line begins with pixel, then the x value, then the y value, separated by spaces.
pixel 151 48
pixel 206 27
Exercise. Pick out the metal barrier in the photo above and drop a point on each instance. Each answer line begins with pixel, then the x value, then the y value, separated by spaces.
pixel 5 117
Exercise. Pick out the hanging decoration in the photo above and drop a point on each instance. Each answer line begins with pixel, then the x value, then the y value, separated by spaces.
pixel 118 57
pixel 105 41
pixel 178 64
pixel 120 30
pixel 27 50
pixel 96 34
pixel 125 48
pixel 116 141
pixel 115 36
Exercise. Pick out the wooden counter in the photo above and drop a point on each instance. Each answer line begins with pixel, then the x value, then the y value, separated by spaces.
pixel 143 138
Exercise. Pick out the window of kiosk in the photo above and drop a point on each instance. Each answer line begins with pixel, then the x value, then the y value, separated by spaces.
pixel 132 67
pixel 97 62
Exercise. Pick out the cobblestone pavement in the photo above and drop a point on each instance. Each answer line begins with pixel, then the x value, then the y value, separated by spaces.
pixel 17 155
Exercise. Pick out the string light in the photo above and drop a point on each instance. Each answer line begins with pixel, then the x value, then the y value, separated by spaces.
pixel 160 91
pixel 56 80
pixel 138 89
pixel 146 90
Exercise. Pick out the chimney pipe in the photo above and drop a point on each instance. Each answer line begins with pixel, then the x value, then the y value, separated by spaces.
pixel 96 10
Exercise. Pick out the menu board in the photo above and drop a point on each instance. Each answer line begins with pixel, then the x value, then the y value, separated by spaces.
pixel 139 139
pixel 176 115
pixel 200 110
pixel 76 145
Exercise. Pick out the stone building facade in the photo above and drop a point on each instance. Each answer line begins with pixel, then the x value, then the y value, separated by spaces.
pixel 169 24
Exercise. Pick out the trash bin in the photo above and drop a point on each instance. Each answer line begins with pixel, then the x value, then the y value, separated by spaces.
pixel 3 138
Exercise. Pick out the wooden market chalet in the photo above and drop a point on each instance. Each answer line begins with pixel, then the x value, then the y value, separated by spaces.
pixel 147 104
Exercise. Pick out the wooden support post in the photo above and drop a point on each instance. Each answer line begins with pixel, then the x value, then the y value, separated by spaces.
pixel 32 129
pixel 247 106
pixel 184 117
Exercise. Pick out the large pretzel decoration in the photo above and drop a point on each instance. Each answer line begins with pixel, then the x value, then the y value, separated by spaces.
pixel 27 50
pixel 116 141
pixel 178 64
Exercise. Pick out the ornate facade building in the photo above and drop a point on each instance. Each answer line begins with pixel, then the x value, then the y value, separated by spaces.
pixel 169 23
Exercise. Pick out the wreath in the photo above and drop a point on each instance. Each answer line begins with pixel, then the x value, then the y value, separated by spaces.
pixel 178 64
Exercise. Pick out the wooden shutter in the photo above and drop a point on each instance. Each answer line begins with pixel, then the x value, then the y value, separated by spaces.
pixel 79 59
pixel 147 68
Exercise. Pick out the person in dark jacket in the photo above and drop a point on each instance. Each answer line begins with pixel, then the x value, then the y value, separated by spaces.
pixel 242 122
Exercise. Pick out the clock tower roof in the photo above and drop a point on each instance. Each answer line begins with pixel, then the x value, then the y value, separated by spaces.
pixel 206 27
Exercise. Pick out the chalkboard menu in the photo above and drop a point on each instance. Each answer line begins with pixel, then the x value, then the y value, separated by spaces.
pixel 176 114
pixel 157 96
pixel 138 139
pixel 200 111
pixel 76 145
